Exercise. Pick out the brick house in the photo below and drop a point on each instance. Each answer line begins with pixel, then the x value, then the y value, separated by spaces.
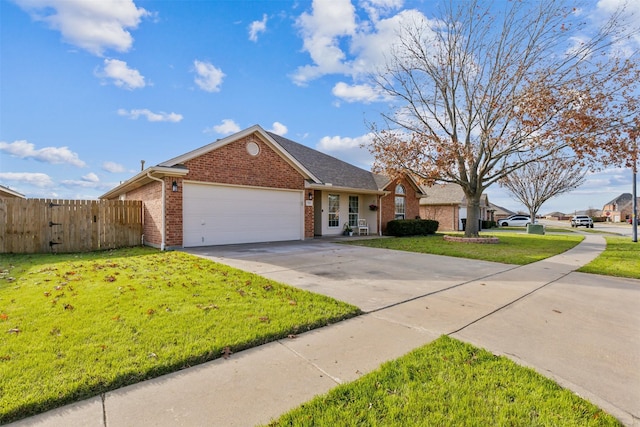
pixel 619 209
pixel 256 186
pixel 447 204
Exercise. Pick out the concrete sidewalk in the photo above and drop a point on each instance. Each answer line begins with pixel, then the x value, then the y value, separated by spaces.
pixel 581 330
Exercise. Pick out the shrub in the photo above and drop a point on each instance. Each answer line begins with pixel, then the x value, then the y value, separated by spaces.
pixel 411 227
pixel 488 224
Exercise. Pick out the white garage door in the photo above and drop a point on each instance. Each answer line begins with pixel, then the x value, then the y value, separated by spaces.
pixel 220 215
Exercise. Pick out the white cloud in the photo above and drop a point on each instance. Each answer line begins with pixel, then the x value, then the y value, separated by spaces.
pixel 341 143
pixel 227 127
pixel 53 155
pixel 322 30
pixel 279 129
pixel 349 47
pixel 629 20
pixel 122 75
pixel 613 5
pixel 150 115
pixel 257 27
pixel 91 177
pixel 94 26
pixel 74 183
pixel 209 77
pixel 370 48
pixel 113 167
pixel 348 149
pixel 41 180
pixel 375 8
pixel 356 93
pixel 90 180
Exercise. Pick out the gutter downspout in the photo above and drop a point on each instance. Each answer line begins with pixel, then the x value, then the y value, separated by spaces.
pixel 163 230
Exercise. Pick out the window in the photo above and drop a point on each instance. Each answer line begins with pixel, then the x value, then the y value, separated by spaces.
pixel 353 211
pixel 334 210
pixel 400 202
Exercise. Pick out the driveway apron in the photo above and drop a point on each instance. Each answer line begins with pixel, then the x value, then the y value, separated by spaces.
pixel 368 278
pixel 581 330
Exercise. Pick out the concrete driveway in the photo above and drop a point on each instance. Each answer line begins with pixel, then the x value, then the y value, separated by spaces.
pixel 581 330
pixel 368 278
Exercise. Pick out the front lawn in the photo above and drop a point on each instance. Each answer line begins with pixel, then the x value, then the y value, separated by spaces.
pixel 513 248
pixel 621 258
pixel 448 383
pixel 73 326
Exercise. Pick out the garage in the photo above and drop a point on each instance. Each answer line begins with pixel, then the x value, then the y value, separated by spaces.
pixel 220 215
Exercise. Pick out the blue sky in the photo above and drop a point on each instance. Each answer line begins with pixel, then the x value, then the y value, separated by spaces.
pixel 90 88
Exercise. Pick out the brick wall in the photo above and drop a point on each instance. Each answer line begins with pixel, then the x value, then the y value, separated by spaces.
pixel 151 196
pixel 387 203
pixel 446 215
pixel 230 164
pixel 309 217
pixel 173 212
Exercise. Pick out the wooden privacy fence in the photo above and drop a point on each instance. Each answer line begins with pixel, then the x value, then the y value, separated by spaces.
pixel 45 225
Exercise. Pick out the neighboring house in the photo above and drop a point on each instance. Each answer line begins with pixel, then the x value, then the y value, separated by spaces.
pixel 619 209
pixel 256 186
pixel 447 204
pixel 7 193
pixel 556 216
pixel 499 212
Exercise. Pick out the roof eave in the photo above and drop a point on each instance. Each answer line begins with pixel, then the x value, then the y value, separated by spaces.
pixel 325 187
pixel 11 192
pixel 142 178
pixel 236 136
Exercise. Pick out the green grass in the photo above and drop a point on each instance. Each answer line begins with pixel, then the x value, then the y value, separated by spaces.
pixel 621 258
pixel 73 326
pixel 448 383
pixel 513 248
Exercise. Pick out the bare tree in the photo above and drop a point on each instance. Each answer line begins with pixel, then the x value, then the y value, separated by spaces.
pixel 536 182
pixel 485 89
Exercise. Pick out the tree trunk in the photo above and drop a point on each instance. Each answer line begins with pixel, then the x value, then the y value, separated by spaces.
pixel 473 215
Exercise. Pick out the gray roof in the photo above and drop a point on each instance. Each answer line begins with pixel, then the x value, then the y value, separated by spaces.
pixel 442 194
pixel 499 210
pixel 447 194
pixel 329 169
pixel 622 199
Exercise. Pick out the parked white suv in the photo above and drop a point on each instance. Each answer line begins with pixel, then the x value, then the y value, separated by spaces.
pixel 584 220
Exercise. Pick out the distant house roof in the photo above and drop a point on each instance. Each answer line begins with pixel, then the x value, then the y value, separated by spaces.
pixel 621 203
pixel 447 194
pixel 6 192
pixel 500 211
pixel 555 215
pixel 622 198
pixel 442 194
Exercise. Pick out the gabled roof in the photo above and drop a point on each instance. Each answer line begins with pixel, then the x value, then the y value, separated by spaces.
pixel 7 192
pixel 447 194
pixel 622 200
pixel 442 194
pixel 255 129
pixel 328 170
pixel 499 210
pixel 320 170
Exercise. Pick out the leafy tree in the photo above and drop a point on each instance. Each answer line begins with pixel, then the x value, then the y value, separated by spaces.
pixel 488 87
pixel 536 182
